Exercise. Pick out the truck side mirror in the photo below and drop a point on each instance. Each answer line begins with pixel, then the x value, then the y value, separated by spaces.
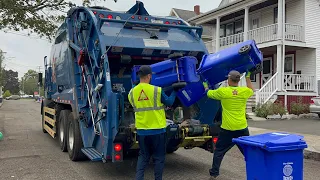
pixel 40 79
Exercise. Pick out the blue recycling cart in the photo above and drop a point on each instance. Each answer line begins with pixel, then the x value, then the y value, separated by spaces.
pixel 168 72
pixel 244 56
pixel 273 156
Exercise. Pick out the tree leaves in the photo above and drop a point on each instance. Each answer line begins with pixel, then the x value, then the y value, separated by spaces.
pixel 39 16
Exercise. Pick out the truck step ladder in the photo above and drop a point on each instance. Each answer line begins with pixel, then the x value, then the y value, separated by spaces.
pixel 49 119
pixel 92 153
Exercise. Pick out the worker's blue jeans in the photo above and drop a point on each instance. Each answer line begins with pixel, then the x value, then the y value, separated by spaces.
pixel 155 146
pixel 224 144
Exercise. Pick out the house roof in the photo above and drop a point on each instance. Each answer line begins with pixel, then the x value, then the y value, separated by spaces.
pixel 224 4
pixel 185 14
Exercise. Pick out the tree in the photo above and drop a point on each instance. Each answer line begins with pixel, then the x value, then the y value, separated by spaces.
pixel 6 94
pixel 31 14
pixel 11 81
pixel 1 68
pixel 29 82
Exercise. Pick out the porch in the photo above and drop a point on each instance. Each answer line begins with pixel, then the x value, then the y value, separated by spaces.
pixel 295 74
pixel 266 34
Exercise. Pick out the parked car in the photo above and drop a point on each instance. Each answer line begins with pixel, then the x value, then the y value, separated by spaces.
pixel 315 105
pixel 13 97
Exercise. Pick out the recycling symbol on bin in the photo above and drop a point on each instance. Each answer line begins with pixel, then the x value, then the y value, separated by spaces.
pixel 287 170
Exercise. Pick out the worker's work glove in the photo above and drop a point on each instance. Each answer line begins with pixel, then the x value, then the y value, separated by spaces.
pixel 248 74
pixel 205 85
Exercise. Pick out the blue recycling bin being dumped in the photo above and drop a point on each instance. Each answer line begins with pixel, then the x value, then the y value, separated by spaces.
pixel 273 156
pixel 171 71
pixel 244 56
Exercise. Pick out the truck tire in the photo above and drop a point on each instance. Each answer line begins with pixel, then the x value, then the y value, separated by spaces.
pixel 74 140
pixel 172 150
pixel 62 127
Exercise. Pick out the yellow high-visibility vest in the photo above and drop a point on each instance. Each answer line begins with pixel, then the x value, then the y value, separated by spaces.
pixel 149 111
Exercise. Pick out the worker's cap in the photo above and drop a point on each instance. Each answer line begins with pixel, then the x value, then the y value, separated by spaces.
pixel 144 70
pixel 234 75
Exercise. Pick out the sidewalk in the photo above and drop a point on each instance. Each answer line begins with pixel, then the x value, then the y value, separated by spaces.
pixel 313 141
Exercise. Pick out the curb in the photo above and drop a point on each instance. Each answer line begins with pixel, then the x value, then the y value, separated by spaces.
pixel 312 155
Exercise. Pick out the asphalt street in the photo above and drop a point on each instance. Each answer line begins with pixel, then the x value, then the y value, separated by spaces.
pixel 26 153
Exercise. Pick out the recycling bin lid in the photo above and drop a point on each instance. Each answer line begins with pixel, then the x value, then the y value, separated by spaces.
pixel 276 141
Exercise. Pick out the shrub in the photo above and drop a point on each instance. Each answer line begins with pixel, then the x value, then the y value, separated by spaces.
pixel 299 107
pixel 270 108
pixel 6 94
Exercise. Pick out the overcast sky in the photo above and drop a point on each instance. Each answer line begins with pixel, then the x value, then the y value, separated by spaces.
pixel 25 53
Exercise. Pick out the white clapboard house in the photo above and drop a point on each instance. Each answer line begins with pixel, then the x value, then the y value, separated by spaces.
pixel 288 34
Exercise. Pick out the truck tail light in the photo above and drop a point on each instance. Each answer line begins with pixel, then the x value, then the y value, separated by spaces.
pixel 311 101
pixel 215 140
pixel 118 147
pixel 117 155
pixel 110 16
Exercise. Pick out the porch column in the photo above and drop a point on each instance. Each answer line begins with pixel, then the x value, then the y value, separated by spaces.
pixel 280 19
pixel 279 67
pixel 246 23
pixel 218 34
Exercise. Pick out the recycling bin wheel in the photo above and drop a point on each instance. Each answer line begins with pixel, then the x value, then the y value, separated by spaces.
pixel 244 49
pixel 257 69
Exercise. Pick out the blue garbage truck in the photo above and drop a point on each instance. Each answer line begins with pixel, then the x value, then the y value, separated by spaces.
pixel 89 74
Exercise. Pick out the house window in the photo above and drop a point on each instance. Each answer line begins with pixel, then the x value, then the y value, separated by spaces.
pixel 255 23
pixel 222 31
pixel 288 64
pixel 238 26
pixel 229 29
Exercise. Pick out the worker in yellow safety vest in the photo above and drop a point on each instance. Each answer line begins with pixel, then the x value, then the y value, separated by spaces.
pixel 234 123
pixel 150 121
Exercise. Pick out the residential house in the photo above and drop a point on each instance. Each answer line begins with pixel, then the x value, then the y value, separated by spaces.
pixel 186 14
pixel 288 34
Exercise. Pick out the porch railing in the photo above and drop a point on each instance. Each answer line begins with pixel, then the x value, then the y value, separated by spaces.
pixel 299 82
pixel 267 90
pixel 231 40
pixel 294 32
pixel 264 34
pixel 261 35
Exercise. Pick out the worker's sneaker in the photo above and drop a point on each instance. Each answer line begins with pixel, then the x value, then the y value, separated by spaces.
pixel 213 178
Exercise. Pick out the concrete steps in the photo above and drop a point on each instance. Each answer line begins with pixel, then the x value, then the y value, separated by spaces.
pixel 251 103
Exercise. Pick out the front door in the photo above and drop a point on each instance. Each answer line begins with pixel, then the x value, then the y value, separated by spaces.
pixel 267 70
pixel 288 71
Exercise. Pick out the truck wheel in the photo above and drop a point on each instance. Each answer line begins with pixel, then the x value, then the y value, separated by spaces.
pixel 74 140
pixel 62 126
pixel 244 49
pixel 172 150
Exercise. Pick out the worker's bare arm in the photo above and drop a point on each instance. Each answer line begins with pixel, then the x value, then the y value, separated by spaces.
pixel 249 83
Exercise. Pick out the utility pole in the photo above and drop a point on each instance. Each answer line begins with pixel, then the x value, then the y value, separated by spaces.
pixel 39 82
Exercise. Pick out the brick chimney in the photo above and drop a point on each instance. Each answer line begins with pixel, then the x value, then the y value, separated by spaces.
pixel 196 9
